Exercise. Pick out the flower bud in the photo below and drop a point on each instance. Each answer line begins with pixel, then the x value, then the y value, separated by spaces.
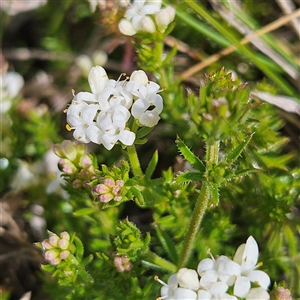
pixel 164 17
pixel 148 25
pixel 99 58
pixel 84 63
pixel 126 28
pixel 53 239
pixel 67 166
pixel 139 76
pixel 63 244
pixel 280 293
pixel 85 161
pixel 65 254
pixel 122 263
pixel 69 150
pixel 97 79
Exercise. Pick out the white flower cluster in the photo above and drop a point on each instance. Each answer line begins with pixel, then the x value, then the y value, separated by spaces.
pixel 102 116
pixel 222 278
pixel 146 16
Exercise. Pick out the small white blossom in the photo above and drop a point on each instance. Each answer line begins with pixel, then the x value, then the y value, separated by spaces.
pixel 218 276
pixel 102 115
pixel 146 16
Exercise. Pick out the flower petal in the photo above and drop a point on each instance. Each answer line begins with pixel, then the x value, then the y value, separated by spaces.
pixel 188 278
pixel 241 287
pixel 127 137
pixel 257 294
pixel 260 278
pixel 97 79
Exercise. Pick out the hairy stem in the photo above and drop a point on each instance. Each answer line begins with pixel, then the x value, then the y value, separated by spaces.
pixel 212 152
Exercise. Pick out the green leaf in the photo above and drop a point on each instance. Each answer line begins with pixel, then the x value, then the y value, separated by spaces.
pixel 235 153
pixel 190 156
pixel 189 176
pixel 48 268
pixel 143 132
pixel 87 260
pixel 87 278
pixel 155 182
pixel 245 172
pixel 170 55
pixel 151 166
pixel 79 248
pixel 168 245
pixel 139 198
pixel 84 211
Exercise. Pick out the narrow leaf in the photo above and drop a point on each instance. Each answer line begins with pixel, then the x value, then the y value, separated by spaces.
pixel 87 260
pixel 87 278
pixel 139 198
pixel 167 244
pixel 245 172
pixel 151 166
pixel 79 248
pixel 235 153
pixel 190 156
pixel 189 176
pixel 84 211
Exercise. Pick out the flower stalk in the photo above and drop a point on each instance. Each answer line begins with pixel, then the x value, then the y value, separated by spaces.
pixel 134 161
pixel 212 152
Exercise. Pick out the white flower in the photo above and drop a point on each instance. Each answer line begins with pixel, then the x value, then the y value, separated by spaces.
pixel 138 10
pixel 148 105
pixel 113 125
pixel 246 256
pixel 101 116
pixel 168 289
pixel 80 116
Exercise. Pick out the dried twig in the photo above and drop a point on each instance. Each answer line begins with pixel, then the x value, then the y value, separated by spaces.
pixel 215 57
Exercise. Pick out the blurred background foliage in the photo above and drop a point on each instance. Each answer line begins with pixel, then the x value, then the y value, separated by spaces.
pixel 45 45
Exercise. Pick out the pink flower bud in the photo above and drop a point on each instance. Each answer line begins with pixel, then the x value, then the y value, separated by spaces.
pixel 51 254
pixel 46 245
pixel 100 189
pixel 85 161
pixel 122 263
pixel 53 239
pixel 109 182
pixel 63 244
pixel 65 254
pixel 65 235
pixel 105 197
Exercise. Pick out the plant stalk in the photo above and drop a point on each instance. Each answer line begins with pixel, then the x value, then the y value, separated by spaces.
pixel 134 161
pixel 212 152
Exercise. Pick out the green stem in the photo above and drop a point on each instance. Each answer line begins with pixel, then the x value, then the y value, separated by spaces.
pixel 198 213
pixel 155 261
pixel 212 152
pixel 159 51
pixel 134 161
